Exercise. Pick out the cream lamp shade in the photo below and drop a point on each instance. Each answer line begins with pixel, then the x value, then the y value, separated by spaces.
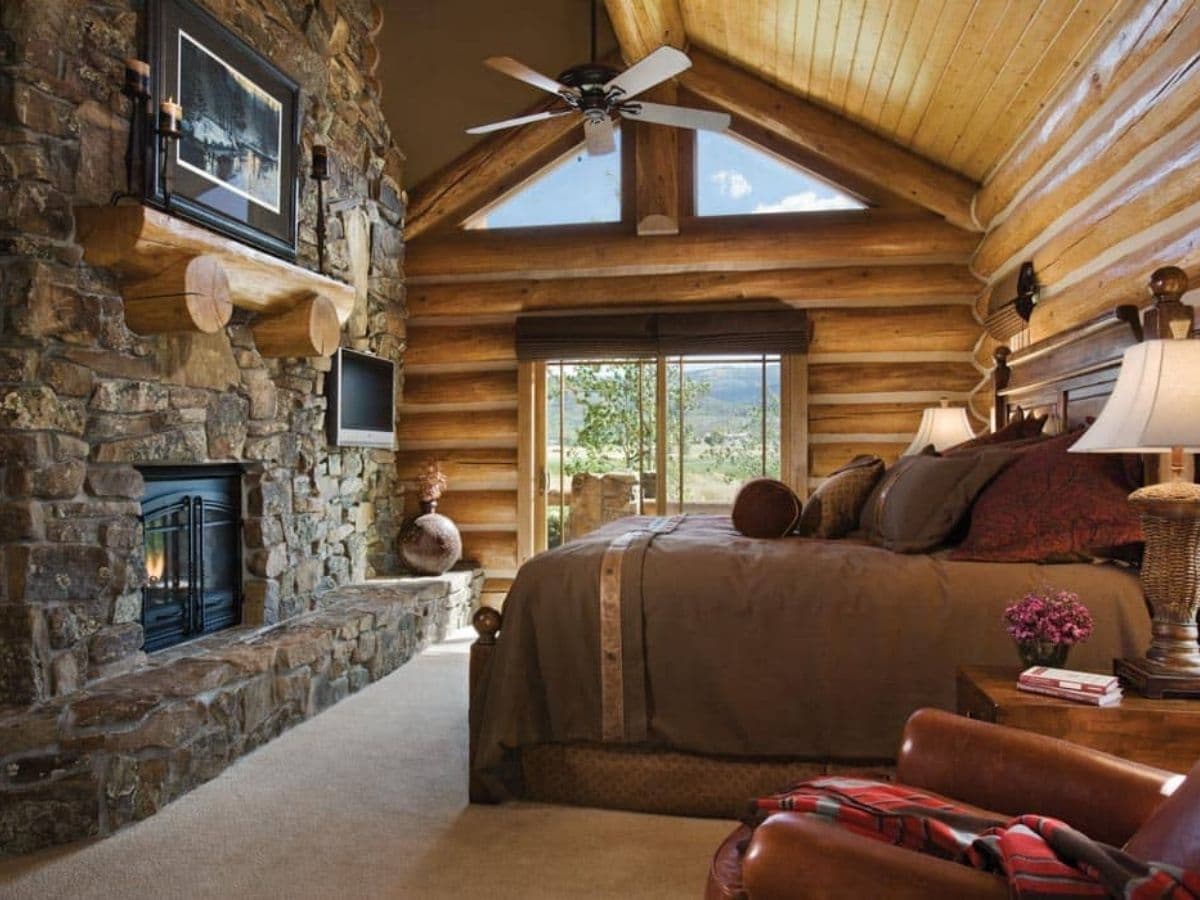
pixel 1155 404
pixel 943 426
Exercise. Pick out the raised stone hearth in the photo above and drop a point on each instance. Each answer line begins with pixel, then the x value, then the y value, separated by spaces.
pixel 121 749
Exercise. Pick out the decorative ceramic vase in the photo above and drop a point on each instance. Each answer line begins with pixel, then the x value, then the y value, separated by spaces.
pixel 1042 653
pixel 430 544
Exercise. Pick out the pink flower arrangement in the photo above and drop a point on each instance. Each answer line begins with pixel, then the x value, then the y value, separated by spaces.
pixel 1049 617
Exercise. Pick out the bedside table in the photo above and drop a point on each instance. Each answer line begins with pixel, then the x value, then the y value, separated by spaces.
pixel 1163 733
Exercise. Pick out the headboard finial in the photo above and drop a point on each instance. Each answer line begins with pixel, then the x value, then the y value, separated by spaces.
pixel 1171 317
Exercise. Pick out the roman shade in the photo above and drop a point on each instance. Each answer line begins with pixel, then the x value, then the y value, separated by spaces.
pixel 671 334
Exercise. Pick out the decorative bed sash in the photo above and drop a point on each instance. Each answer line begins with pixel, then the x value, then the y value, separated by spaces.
pixel 622 681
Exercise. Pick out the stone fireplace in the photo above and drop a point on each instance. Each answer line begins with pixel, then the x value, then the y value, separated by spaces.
pixel 135 660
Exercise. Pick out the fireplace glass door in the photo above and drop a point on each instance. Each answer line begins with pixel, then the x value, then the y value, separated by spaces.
pixel 193 561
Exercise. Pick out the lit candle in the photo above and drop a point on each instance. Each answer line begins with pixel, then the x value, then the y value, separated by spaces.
pixel 169 115
pixel 137 78
pixel 320 162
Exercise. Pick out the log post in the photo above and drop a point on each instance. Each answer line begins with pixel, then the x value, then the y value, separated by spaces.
pixel 190 294
pixel 487 622
pixel 310 328
pixel 657 171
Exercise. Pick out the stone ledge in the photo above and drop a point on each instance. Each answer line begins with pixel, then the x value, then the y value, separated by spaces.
pixel 117 752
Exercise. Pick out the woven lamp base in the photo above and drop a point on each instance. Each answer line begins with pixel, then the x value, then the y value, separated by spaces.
pixel 1171 581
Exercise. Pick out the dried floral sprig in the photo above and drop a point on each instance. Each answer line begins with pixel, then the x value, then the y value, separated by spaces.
pixel 1049 616
pixel 431 480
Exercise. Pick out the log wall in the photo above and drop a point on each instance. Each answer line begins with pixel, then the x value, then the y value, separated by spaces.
pixel 1105 185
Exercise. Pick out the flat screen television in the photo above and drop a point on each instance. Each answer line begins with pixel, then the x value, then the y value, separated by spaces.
pixel 362 401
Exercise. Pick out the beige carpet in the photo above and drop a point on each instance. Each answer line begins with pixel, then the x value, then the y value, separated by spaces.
pixel 369 800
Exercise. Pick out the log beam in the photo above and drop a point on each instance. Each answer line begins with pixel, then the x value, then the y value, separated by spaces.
pixel 730 244
pixel 186 295
pixel 656 154
pixel 310 328
pixel 645 25
pixel 832 137
pixel 877 285
pixel 491 168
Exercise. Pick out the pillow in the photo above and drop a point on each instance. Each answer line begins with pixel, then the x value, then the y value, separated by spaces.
pixel 1019 429
pixel 922 498
pixel 833 509
pixel 1055 506
pixel 765 508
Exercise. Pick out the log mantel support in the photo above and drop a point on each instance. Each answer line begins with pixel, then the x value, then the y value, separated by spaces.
pixel 178 277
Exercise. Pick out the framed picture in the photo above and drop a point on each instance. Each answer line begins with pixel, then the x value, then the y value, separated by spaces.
pixel 233 167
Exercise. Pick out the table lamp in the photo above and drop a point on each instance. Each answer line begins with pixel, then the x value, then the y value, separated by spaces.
pixel 943 426
pixel 1155 408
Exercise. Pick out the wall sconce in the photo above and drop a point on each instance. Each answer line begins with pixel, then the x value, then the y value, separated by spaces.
pixel 170 114
pixel 320 174
pixel 1006 320
pixel 137 88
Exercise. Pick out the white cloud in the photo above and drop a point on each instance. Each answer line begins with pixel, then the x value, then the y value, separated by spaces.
pixel 808 201
pixel 731 183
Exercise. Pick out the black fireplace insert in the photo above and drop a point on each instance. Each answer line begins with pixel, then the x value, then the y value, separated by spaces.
pixel 191 517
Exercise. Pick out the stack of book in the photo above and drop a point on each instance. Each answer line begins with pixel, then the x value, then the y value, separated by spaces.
pixel 1082 687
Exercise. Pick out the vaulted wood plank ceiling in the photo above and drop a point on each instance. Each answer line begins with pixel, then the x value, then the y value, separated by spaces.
pixel 956 81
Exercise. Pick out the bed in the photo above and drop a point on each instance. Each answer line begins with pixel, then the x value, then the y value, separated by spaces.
pixel 672 665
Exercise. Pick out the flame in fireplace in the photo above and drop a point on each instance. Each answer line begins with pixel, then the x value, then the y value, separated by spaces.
pixel 156 563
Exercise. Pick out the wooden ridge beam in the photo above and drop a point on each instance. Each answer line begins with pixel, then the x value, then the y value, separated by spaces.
pixel 880 285
pixel 833 137
pixel 645 25
pixel 729 244
pixel 492 167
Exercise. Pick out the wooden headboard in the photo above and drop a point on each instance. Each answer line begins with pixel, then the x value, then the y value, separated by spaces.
pixel 1069 376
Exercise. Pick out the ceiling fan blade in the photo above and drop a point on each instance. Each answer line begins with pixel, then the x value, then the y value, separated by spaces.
pixel 657 67
pixel 506 65
pixel 520 120
pixel 679 116
pixel 599 134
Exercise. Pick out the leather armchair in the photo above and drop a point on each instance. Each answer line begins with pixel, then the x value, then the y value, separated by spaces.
pixel 986 766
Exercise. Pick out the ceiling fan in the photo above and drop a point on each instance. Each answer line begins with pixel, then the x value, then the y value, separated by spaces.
pixel 597 91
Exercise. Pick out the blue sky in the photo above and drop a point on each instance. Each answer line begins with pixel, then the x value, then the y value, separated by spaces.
pixel 732 177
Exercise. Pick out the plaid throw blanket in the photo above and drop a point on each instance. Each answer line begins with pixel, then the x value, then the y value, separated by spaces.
pixel 1040 857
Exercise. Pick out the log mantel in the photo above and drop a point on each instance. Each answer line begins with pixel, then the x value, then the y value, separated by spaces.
pixel 140 244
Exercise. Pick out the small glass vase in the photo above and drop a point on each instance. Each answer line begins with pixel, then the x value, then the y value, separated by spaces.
pixel 1042 653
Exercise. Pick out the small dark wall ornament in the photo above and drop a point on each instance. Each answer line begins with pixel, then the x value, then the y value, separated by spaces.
pixel 233 166
pixel 1012 316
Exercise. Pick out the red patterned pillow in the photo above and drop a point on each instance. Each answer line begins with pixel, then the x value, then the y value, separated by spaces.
pixel 1054 506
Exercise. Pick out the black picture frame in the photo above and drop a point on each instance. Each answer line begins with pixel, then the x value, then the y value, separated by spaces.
pixel 234 167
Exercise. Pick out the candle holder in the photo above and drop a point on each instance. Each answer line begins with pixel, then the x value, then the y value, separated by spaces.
pixel 137 88
pixel 320 174
pixel 169 114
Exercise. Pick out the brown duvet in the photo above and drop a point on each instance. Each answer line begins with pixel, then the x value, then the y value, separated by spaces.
pixel 722 644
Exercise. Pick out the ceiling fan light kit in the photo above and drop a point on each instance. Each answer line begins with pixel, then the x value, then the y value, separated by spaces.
pixel 597 91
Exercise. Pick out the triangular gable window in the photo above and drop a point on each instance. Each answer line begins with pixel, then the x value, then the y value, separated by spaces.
pixel 574 189
pixel 734 177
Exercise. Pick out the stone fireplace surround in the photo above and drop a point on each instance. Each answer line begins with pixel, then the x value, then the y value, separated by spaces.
pixel 93 733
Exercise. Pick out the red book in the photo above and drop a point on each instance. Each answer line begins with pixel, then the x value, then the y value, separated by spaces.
pixel 1088 682
pixel 1110 699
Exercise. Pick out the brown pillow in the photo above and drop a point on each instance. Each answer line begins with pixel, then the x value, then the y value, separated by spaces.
pixel 1172 833
pixel 833 509
pixel 922 498
pixel 1019 429
pixel 1055 506
pixel 765 508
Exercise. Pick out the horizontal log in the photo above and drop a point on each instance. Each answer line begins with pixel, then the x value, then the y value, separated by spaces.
pixel 826 458
pixel 138 242
pixel 485 469
pixel 490 426
pixel 703 245
pixel 474 508
pixel 499 387
pixel 915 328
pixel 188 294
pixel 879 284
pixel 495 551
pixel 458 344
pixel 835 137
pixel 872 378
pixel 1123 54
pixel 308 329
pixel 1166 96
pixel 876 418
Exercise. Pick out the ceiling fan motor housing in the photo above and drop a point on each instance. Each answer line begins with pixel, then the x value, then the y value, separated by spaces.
pixel 589 79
